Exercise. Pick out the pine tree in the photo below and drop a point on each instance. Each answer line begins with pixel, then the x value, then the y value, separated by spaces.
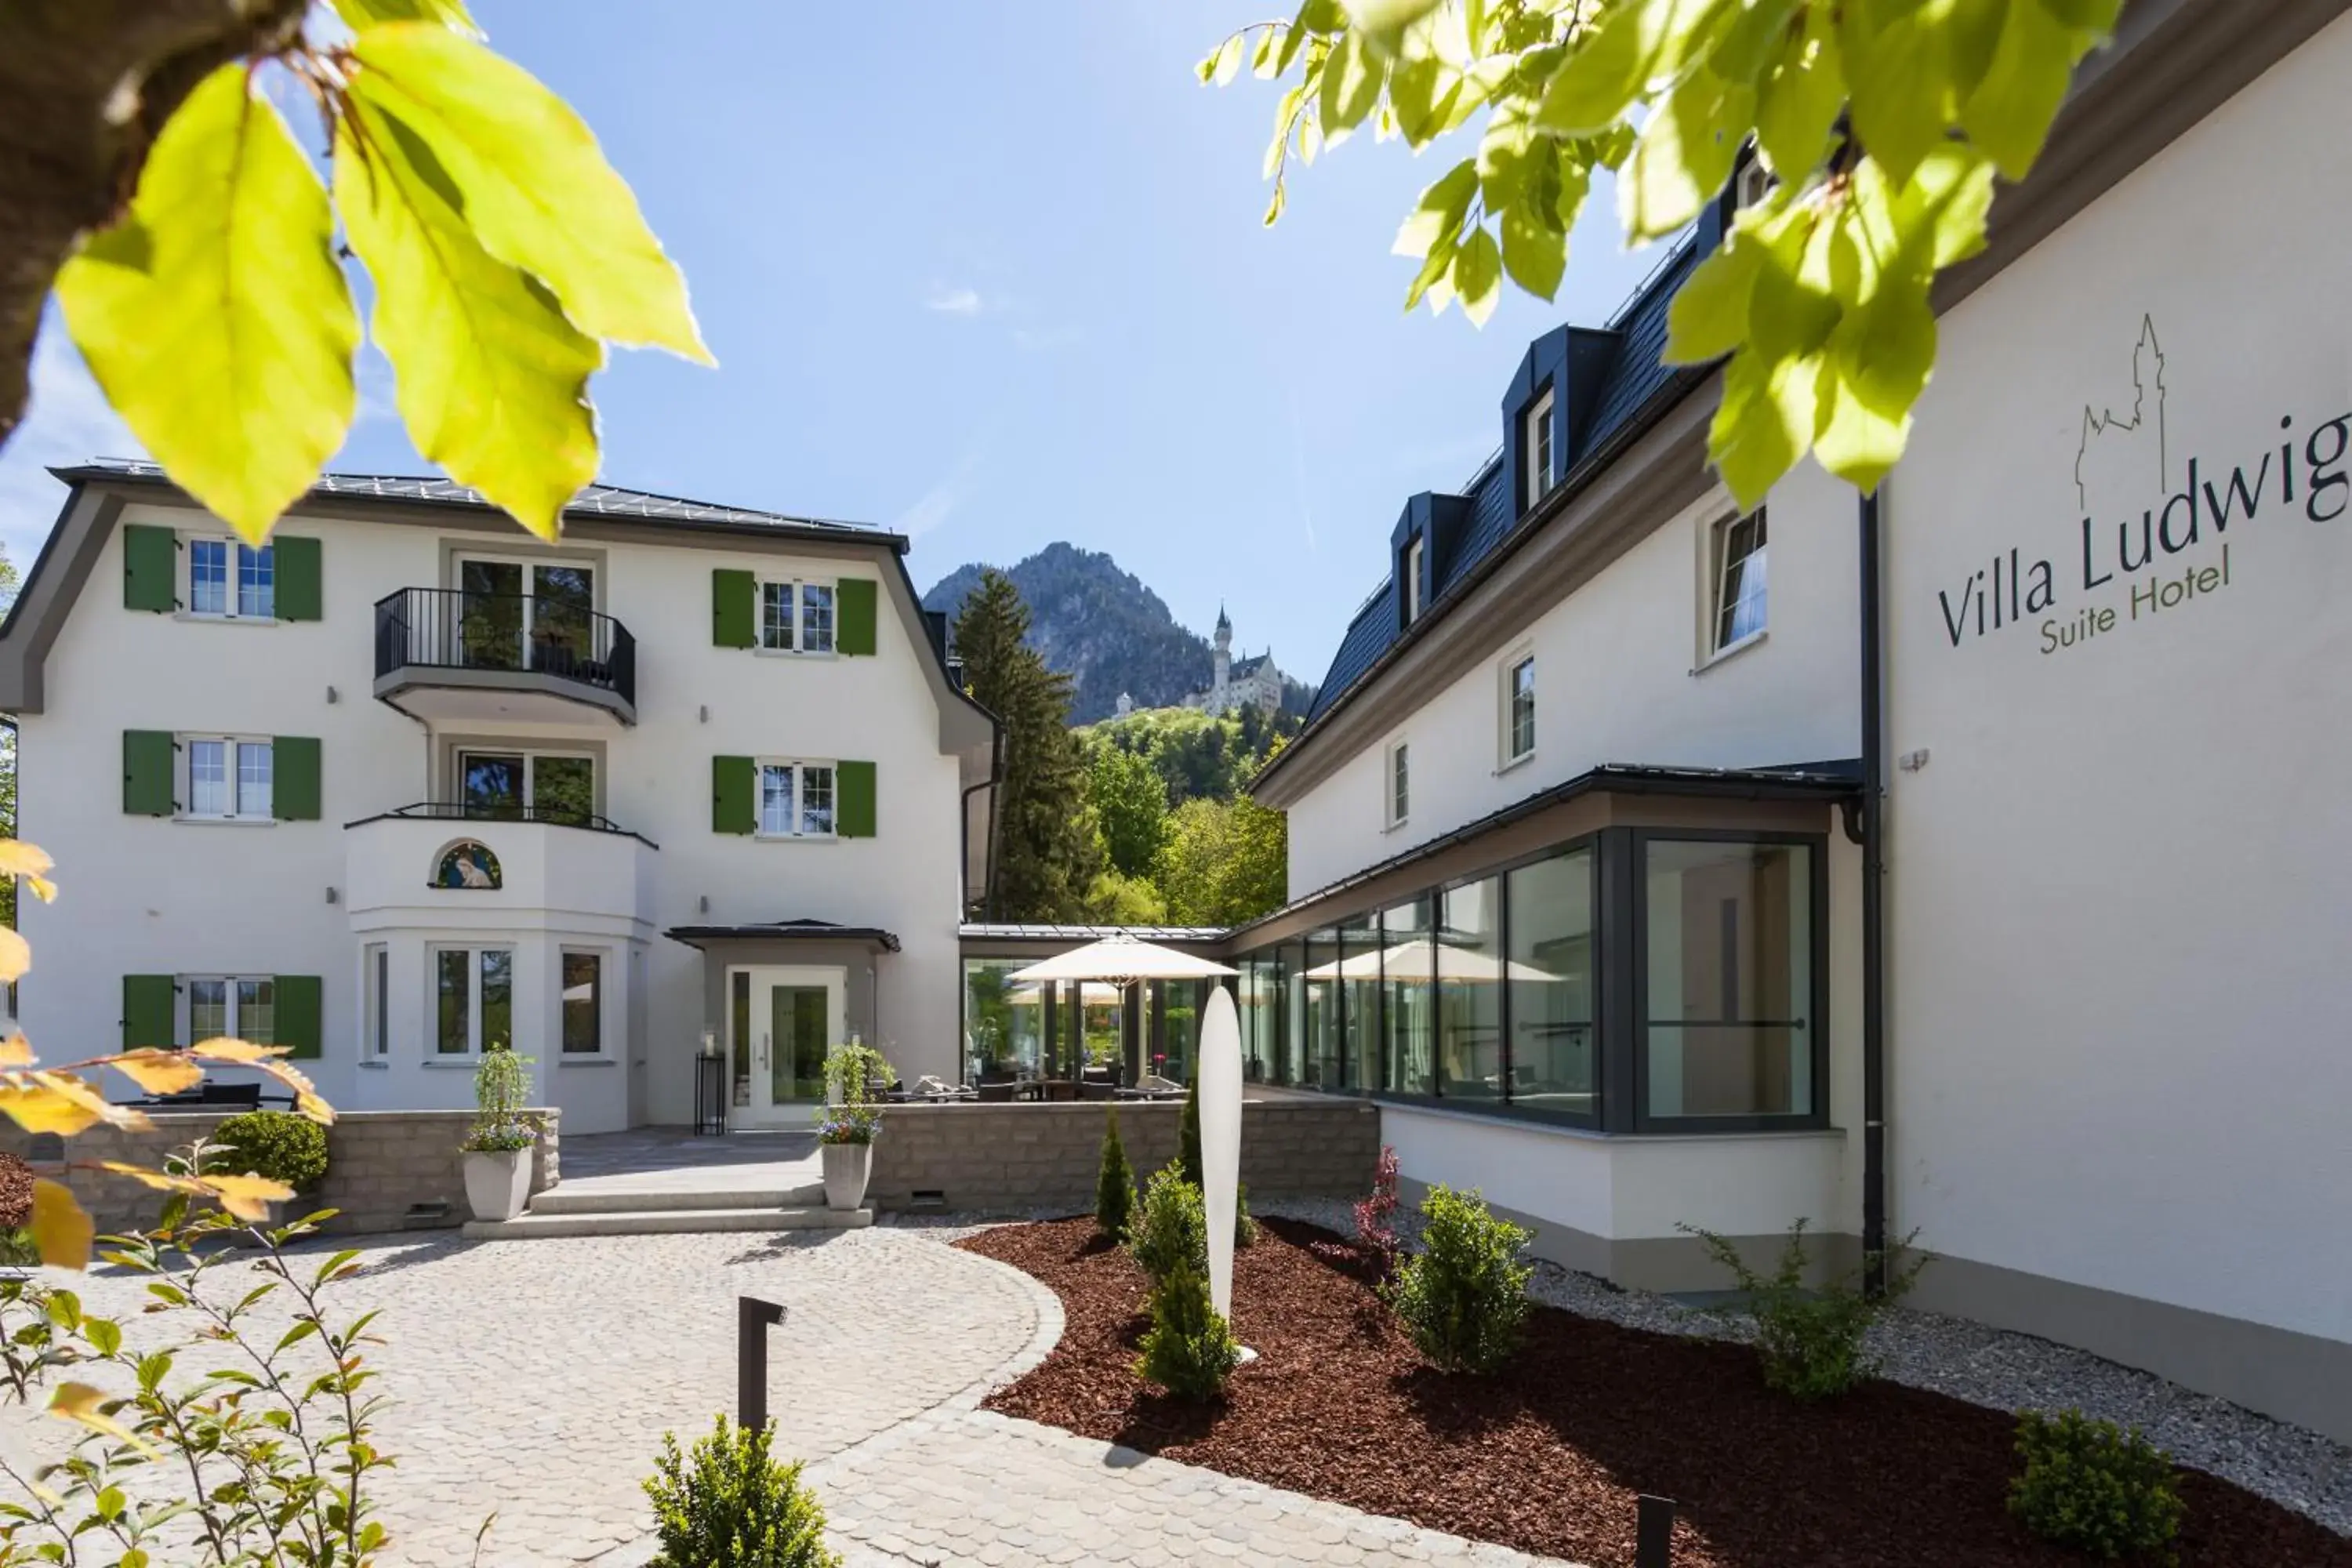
pixel 1048 850
pixel 1114 1184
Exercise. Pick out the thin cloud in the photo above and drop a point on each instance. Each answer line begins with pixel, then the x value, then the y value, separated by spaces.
pixel 70 422
pixel 955 302
pixel 939 502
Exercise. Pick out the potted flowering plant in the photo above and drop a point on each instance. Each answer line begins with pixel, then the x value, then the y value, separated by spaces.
pixel 852 1115
pixel 497 1148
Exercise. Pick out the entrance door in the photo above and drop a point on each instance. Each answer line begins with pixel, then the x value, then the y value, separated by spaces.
pixel 781 1023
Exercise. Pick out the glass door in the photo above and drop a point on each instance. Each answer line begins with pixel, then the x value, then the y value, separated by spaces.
pixel 781 1024
pixel 518 615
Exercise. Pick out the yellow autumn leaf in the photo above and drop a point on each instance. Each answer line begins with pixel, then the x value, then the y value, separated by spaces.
pixel 38 1108
pixel 162 1181
pixel 43 889
pixel 248 1197
pixel 157 1072
pixel 17 1051
pixel 18 859
pixel 221 1049
pixel 307 1099
pixel 60 1229
pixel 80 1402
pixel 16 956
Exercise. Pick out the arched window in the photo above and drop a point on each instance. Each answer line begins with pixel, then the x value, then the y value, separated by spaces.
pixel 467 864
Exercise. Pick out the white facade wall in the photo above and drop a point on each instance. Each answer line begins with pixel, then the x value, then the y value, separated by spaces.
pixel 1622 676
pixel 2119 918
pixel 151 895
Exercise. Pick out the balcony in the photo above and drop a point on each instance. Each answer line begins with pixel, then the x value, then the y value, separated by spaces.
pixel 450 657
pixel 440 864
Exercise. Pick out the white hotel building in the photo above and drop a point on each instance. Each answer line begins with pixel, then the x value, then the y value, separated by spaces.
pixel 407 783
pixel 1581 828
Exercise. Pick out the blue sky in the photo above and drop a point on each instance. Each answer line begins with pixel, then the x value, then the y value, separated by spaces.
pixel 994 276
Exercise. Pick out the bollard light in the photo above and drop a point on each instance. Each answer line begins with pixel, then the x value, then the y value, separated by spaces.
pixel 754 1319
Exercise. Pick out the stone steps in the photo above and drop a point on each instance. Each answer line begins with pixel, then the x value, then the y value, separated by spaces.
pixel 589 1198
pixel 672 1221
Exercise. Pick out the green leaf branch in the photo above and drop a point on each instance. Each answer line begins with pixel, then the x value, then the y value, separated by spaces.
pixel 1881 124
pixel 208 291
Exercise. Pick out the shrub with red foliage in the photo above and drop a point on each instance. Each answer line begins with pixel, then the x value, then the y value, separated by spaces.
pixel 1374 1232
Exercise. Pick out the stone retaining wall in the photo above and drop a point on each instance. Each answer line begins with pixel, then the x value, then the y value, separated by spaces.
pixel 1046 1156
pixel 386 1170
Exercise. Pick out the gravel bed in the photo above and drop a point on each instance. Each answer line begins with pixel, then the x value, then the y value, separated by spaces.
pixel 2289 1465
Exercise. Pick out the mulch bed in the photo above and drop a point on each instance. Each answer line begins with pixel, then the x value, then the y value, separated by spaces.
pixel 1549 1455
pixel 15 1191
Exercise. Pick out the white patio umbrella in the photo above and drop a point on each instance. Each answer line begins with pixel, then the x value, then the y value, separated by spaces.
pixel 1096 992
pixel 1123 959
pixel 1409 960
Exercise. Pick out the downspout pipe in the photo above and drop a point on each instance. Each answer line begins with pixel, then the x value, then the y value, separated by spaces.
pixel 1873 909
pixel 963 825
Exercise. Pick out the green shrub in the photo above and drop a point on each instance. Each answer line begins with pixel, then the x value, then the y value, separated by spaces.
pixel 278 1144
pixel 1244 1227
pixel 1189 1349
pixel 2092 1486
pixel 19 1249
pixel 1811 1342
pixel 1464 1297
pixel 1172 1232
pixel 1114 1182
pixel 730 1505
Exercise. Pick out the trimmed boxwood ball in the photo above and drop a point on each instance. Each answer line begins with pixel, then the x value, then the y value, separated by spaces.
pixel 1464 1297
pixel 2096 1488
pixel 273 1143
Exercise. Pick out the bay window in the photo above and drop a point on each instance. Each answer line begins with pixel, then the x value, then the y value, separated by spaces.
pixel 1729 993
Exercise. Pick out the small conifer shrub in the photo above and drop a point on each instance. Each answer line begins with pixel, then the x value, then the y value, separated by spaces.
pixel 1114 1183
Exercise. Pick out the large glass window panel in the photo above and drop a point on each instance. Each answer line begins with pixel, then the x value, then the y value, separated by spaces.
pixel 256 1011
pixel 1728 991
pixel 738 1038
pixel 562 618
pixel 1553 1043
pixel 253 778
pixel 1319 1062
pixel 816 800
pixel 453 987
pixel 257 581
pixel 1290 1006
pixel 498 998
pixel 1408 969
pixel 776 617
pixel 1004 1022
pixel 1179 1003
pixel 583 1003
pixel 208 576
pixel 776 798
pixel 208 783
pixel 1469 990
pixel 816 618
pixel 1359 941
pixel 563 789
pixel 490 616
pixel 207 1010
pixel 492 782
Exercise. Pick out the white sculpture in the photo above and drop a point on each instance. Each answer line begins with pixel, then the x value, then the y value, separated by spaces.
pixel 1221 1139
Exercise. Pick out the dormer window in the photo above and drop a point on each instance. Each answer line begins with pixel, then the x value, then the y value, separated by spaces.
pixel 1410 596
pixel 1537 447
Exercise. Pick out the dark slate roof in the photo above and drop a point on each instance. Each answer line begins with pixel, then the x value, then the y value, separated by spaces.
pixel 1242 667
pixel 596 501
pixel 784 931
pixel 1631 384
pixel 1076 934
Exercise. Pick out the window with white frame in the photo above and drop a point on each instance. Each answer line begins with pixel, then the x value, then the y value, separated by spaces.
pixel 375 999
pixel 1398 804
pixel 1538 446
pixel 1738 610
pixel 1411 596
pixel 796 616
pixel 583 1003
pixel 796 800
pixel 1518 708
pixel 232 1007
pixel 230 580
pixel 472 999
pixel 228 778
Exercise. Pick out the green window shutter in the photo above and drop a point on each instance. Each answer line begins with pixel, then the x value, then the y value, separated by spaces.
pixel 151 568
pixel 853 784
pixel 852 608
pixel 300 1014
pixel 149 1007
pixel 294 567
pixel 732 594
pixel 150 768
pixel 730 795
pixel 294 778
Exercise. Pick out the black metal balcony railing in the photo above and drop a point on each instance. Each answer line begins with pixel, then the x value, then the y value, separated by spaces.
pixel 450 628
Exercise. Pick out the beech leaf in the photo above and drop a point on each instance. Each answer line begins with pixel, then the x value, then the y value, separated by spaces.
pixel 60 1229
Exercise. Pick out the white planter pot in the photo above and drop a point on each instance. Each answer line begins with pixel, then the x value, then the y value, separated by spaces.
pixel 497 1182
pixel 846 1167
